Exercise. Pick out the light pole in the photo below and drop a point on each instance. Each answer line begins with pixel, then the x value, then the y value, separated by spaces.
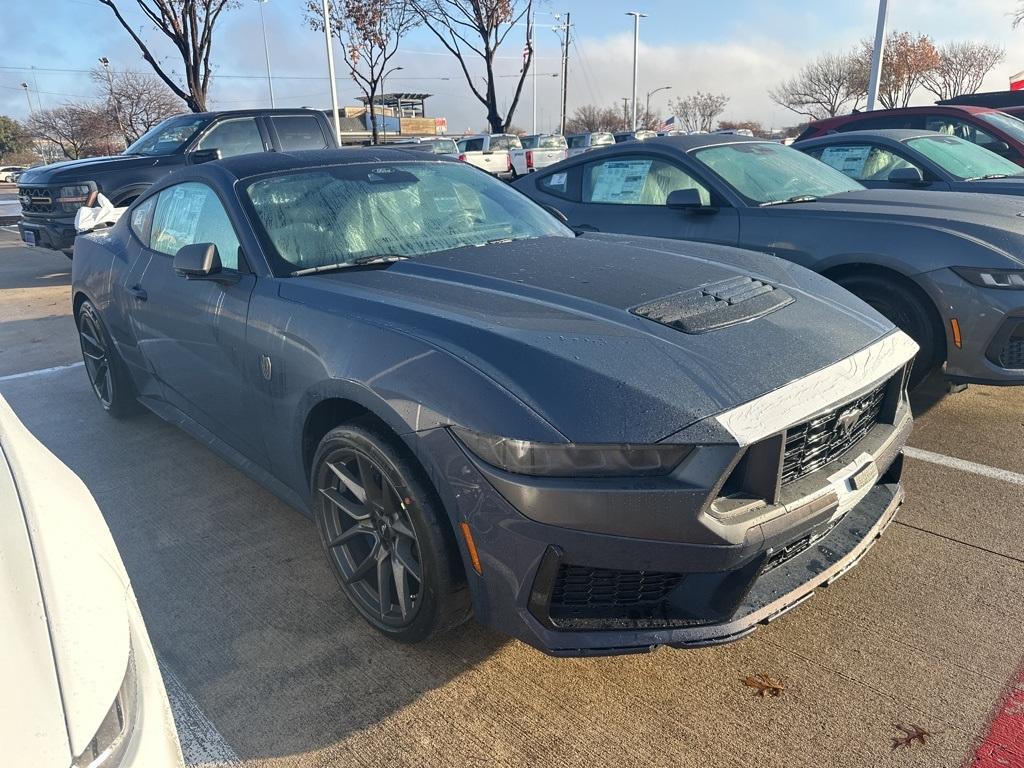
pixel 28 98
pixel 330 71
pixel 636 44
pixel 647 112
pixel 383 96
pixel 110 97
pixel 877 53
pixel 266 53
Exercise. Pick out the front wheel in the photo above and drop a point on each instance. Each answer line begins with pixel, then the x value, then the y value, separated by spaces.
pixel 107 374
pixel 382 531
pixel 909 313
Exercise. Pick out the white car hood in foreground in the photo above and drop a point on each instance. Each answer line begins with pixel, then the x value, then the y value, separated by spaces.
pixel 65 642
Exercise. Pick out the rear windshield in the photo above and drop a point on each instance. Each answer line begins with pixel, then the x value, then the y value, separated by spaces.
pixel 324 216
pixel 551 142
pixel 601 139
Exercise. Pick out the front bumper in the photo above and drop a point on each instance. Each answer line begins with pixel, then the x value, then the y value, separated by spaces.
pixel 55 233
pixel 991 323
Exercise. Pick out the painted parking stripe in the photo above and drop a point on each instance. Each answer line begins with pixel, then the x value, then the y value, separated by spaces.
pixel 965 466
pixel 1003 744
pixel 202 746
pixel 41 371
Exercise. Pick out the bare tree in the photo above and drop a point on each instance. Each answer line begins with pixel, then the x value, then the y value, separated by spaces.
pixel 908 59
pixel 590 117
pixel 136 101
pixel 962 68
pixel 78 130
pixel 753 126
pixel 189 25
pixel 479 27
pixel 823 88
pixel 369 31
pixel 699 111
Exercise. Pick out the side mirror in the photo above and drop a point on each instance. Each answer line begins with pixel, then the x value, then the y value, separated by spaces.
pixel 1001 148
pixel 198 261
pixel 556 213
pixel 906 176
pixel 684 200
pixel 198 156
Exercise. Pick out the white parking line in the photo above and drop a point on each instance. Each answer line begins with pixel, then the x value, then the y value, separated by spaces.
pixel 202 746
pixel 41 371
pixel 965 466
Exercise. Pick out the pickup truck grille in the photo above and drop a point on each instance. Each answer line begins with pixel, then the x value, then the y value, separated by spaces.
pixel 813 444
pixel 35 200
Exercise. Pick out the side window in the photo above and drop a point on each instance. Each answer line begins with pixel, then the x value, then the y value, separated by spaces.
pixel 299 132
pixel 954 126
pixel 191 213
pixel 562 183
pixel 473 145
pixel 140 217
pixel 864 162
pixel 238 136
pixel 636 181
pixel 883 123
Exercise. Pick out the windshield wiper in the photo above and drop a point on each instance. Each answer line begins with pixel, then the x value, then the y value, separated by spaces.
pixel 991 176
pixel 362 261
pixel 794 199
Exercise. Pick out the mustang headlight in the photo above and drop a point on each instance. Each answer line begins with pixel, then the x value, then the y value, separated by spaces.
pixel 73 197
pixel 1007 279
pixel 112 737
pixel 572 459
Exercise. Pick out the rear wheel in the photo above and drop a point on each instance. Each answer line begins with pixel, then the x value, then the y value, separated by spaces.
pixel 909 312
pixel 382 531
pixel 107 373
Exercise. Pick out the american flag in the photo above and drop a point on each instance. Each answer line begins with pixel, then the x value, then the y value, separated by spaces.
pixel 669 124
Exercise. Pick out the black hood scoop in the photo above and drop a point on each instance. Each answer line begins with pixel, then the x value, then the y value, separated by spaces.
pixel 715 305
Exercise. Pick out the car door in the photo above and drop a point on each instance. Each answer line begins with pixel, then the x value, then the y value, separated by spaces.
pixel 192 333
pixel 627 193
pixel 871 163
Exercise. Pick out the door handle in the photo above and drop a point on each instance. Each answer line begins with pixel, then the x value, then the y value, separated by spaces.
pixel 138 292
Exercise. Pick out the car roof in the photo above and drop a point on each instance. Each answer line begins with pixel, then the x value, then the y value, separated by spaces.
pixel 687 142
pixel 935 108
pixel 893 134
pixel 245 166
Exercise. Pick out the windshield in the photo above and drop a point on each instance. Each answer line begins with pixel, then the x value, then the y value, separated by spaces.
pixel 963 159
pixel 1006 123
pixel 762 172
pixel 168 137
pixel 346 213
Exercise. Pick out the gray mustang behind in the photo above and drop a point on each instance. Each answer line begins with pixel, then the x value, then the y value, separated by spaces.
pixel 597 444
pixel 948 269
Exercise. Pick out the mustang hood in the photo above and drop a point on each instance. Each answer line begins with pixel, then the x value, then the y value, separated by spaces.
pixel 551 321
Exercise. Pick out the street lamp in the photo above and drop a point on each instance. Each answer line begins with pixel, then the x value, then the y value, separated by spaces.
pixel 266 53
pixel 636 44
pixel 647 113
pixel 28 98
pixel 330 72
pixel 383 96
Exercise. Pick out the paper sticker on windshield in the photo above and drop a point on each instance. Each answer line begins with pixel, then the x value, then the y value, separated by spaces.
pixel 619 181
pixel 849 160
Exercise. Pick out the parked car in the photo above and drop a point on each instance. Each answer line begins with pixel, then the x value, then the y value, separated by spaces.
pixel 538 151
pixel 596 444
pixel 946 269
pixel 438 145
pixel 991 128
pixel 903 159
pixel 584 142
pixel 633 136
pixel 490 152
pixel 83 686
pixel 50 195
pixel 8 173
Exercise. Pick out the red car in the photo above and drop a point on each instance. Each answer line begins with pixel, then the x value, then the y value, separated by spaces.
pixel 990 128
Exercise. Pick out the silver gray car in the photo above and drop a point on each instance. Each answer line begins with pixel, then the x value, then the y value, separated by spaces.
pixel 947 269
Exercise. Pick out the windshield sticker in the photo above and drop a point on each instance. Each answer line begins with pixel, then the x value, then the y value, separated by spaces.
pixel 849 160
pixel 620 181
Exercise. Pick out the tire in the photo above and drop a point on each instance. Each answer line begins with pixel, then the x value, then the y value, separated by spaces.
pixel 909 312
pixel 379 518
pixel 106 370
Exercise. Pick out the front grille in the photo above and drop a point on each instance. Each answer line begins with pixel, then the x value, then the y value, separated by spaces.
pixel 598 593
pixel 35 200
pixel 813 444
pixel 1012 355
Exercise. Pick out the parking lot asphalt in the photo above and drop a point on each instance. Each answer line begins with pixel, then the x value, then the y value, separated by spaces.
pixel 269 666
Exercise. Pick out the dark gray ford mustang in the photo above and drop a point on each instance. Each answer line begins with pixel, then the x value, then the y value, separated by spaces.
pixel 597 444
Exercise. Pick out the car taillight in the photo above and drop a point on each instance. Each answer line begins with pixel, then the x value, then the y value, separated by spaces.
pixel 529 158
pixel 508 160
pixel 462 158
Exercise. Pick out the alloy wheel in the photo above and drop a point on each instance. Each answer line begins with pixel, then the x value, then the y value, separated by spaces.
pixel 96 356
pixel 370 537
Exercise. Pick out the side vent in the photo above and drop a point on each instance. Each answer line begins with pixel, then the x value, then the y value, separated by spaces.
pixel 716 305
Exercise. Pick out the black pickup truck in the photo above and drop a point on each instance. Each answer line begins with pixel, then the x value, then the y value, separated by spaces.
pixel 52 194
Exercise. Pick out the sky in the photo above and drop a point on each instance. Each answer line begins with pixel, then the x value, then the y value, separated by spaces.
pixel 741 48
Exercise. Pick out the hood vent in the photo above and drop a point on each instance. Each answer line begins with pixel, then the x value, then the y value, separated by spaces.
pixel 716 305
